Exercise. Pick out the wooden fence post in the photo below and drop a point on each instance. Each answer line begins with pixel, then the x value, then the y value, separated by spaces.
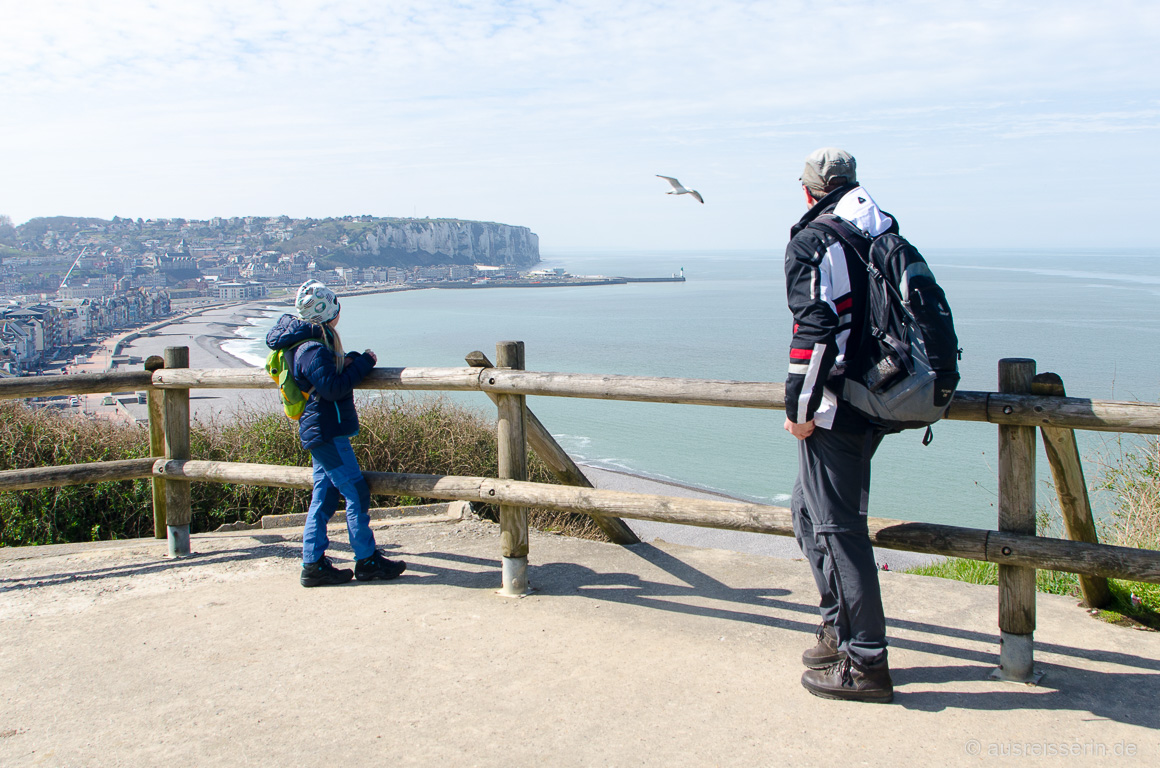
pixel 1074 504
pixel 1017 515
pixel 513 465
pixel 157 445
pixel 177 493
pixel 559 462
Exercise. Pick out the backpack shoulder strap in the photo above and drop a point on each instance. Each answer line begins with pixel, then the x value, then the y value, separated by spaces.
pixel 304 343
pixel 848 234
pixel 862 244
pixel 292 352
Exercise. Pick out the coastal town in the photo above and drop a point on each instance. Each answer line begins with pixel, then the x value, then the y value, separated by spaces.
pixel 67 284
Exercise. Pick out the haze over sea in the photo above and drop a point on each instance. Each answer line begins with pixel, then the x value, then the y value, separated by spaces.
pixel 1088 315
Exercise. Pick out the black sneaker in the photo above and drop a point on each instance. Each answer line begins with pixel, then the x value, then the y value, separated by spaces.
pixel 322 574
pixel 850 682
pixel 378 567
pixel 826 651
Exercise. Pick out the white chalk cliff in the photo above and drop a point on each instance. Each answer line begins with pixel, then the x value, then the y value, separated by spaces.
pixel 448 241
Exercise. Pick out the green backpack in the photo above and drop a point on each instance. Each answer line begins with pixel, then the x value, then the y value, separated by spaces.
pixel 278 364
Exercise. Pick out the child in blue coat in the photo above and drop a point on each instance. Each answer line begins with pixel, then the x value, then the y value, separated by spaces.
pixel 328 376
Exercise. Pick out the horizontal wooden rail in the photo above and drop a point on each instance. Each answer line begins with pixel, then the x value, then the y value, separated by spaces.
pixel 1059 412
pixel 421 379
pixel 270 475
pixel 75 384
pixel 76 474
pixel 992 407
pixel 213 378
pixel 952 541
pixel 644 389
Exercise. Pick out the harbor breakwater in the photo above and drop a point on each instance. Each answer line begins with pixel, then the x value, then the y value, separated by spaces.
pixel 553 283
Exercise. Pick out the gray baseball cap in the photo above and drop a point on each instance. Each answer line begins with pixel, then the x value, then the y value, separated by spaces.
pixel 829 168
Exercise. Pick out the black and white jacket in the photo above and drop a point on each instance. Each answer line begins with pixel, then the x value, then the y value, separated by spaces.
pixel 827 298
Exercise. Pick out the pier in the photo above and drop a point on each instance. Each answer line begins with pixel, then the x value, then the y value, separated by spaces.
pixel 567 282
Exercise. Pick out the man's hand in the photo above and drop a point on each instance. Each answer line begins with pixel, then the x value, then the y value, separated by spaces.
pixel 800 431
pixel 374 358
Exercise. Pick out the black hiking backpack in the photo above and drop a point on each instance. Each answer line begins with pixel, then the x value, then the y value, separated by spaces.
pixel 906 368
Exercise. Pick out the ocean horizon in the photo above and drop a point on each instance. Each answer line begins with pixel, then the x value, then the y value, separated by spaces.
pixel 1087 315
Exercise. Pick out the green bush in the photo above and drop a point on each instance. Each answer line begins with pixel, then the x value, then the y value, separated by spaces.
pixel 35 438
pixel 427 436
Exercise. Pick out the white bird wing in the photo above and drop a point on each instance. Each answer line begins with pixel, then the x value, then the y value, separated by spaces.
pixel 676 184
pixel 697 195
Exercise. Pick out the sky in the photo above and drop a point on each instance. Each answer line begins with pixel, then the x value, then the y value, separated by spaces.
pixel 978 124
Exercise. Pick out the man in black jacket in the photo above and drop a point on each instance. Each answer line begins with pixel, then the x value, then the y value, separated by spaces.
pixel 826 289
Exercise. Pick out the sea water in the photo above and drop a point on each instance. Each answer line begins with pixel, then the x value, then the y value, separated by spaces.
pixel 1087 315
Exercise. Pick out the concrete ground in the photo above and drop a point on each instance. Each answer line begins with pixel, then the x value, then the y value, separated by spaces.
pixel 657 654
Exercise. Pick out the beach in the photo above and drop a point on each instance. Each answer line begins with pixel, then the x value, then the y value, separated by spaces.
pixel 205 332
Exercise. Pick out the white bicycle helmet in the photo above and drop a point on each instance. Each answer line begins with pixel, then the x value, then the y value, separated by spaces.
pixel 316 303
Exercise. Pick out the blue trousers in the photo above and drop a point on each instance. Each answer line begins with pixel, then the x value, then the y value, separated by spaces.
pixel 336 473
pixel 829 506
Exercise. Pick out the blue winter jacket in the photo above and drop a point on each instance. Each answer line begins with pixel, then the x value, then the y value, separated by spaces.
pixel 330 411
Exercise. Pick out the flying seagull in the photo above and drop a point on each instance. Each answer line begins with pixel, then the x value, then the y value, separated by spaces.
pixel 679 190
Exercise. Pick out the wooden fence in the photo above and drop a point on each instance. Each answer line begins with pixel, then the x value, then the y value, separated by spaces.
pixel 1024 401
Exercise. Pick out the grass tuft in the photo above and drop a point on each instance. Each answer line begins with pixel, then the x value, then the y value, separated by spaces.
pixel 428 436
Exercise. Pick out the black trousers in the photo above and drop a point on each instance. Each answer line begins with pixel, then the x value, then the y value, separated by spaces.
pixel 830 500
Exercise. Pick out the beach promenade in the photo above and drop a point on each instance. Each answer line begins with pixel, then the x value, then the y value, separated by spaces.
pixel 203 332
pixel 650 655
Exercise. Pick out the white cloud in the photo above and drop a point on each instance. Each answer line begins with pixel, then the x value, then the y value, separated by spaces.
pixel 480 109
pixel 441 49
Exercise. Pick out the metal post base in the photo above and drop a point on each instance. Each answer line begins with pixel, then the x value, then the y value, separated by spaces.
pixel 1016 659
pixel 178 540
pixel 515 577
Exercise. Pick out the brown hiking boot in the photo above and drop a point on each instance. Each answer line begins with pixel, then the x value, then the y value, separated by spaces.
pixel 846 680
pixel 826 651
